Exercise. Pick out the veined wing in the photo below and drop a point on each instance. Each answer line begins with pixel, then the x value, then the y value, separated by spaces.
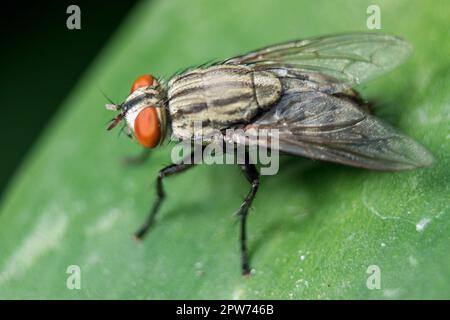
pixel 327 127
pixel 351 58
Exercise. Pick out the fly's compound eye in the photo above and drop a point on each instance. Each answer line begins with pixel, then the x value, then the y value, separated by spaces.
pixel 142 81
pixel 147 128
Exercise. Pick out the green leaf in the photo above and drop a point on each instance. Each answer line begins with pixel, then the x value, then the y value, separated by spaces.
pixel 315 228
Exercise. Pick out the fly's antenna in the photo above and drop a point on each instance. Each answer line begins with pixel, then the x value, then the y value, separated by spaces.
pixel 111 105
pixel 107 98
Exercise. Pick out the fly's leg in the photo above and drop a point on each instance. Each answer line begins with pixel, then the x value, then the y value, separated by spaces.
pixel 160 194
pixel 252 175
pixel 138 159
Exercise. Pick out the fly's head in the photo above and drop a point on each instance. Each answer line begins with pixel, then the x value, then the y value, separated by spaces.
pixel 143 111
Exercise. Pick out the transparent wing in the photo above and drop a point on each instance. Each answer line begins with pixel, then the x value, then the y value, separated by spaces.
pixel 351 58
pixel 321 126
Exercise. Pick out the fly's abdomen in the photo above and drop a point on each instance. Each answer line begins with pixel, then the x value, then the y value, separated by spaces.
pixel 218 97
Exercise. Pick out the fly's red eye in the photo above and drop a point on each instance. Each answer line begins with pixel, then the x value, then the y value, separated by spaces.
pixel 147 128
pixel 142 81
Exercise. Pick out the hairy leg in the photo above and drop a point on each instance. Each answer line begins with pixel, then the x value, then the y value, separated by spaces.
pixel 252 175
pixel 160 194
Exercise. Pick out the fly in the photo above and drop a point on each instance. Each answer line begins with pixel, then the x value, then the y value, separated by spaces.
pixel 303 89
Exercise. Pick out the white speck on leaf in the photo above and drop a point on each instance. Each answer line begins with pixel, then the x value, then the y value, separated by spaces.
pixel 420 226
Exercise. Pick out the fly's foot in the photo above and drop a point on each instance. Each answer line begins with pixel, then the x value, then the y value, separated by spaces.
pixel 140 234
pixel 246 272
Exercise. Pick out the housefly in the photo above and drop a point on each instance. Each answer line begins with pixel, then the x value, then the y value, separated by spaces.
pixel 303 89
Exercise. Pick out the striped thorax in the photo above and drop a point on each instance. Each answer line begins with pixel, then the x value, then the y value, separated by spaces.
pixel 217 97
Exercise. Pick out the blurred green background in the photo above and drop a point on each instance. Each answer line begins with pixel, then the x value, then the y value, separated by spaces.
pixel 41 61
pixel 315 228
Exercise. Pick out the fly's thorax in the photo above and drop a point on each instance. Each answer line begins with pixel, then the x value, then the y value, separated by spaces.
pixel 218 97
